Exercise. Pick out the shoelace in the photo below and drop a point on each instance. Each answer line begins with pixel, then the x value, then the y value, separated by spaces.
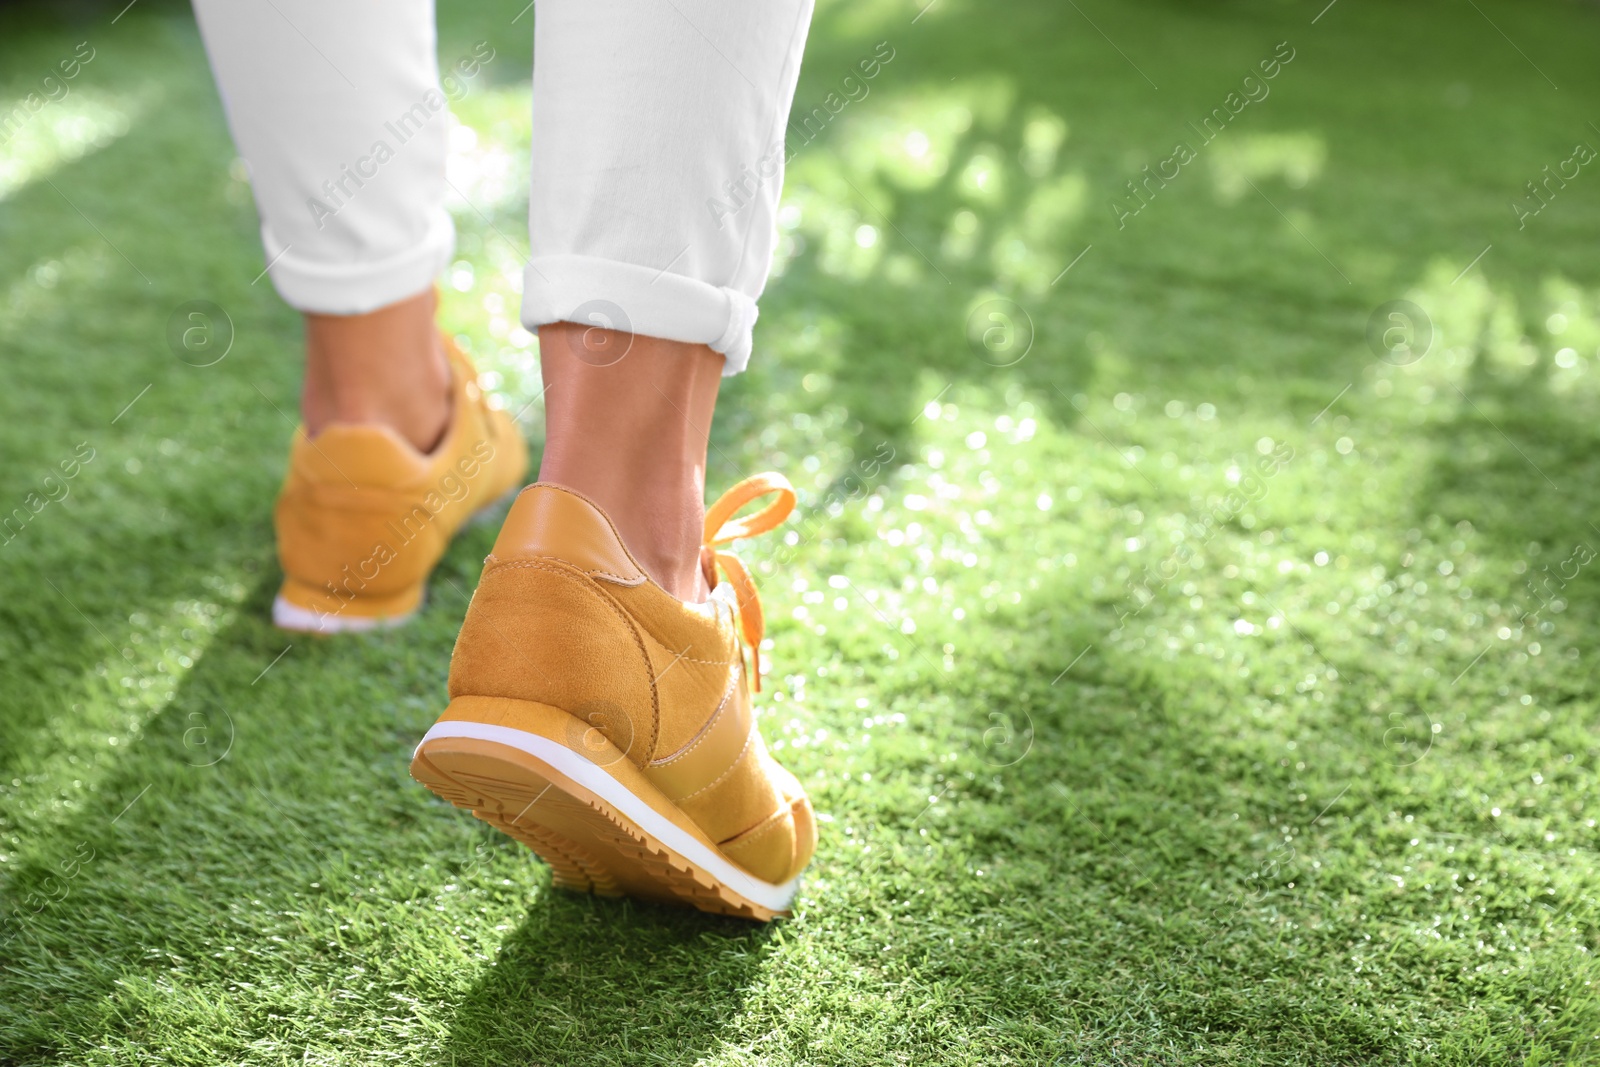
pixel 723 529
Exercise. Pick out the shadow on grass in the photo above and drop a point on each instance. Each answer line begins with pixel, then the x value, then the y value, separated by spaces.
pixel 586 980
pixel 1106 842
pixel 1519 462
pixel 198 865
pixel 1108 837
pixel 90 273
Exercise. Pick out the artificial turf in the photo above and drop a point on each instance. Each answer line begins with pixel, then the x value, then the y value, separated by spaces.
pixel 1185 671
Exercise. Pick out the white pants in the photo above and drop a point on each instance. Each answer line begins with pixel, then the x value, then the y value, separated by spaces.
pixel 658 134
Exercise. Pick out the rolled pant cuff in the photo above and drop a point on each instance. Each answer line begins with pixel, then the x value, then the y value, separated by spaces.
pixel 634 299
pixel 356 288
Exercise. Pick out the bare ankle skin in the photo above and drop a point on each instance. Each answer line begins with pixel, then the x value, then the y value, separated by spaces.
pixel 387 367
pixel 627 418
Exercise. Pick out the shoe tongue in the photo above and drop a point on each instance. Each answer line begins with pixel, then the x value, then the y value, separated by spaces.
pixel 556 522
pixel 368 455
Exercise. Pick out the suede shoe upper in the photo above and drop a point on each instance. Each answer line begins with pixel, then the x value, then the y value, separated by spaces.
pixel 363 517
pixel 564 616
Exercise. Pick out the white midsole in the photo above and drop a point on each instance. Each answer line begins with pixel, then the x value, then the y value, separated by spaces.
pixel 293 617
pixel 596 780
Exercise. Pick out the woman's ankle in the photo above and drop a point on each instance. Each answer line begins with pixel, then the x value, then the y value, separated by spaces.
pixel 386 367
pixel 627 419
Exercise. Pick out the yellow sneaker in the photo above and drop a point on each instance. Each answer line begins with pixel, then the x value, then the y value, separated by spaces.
pixel 607 725
pixel 363 516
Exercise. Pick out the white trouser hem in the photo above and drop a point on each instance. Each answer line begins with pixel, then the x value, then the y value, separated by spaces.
pixel 634 299
pixel 357 288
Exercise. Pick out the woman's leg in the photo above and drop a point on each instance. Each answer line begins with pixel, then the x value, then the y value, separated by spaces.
pixel 658 149
pixel 631 434
pixel 337 111
pixel 336 106
pixel 601 721
pixel 658 157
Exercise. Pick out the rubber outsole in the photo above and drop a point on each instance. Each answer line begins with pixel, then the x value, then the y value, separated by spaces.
pixel 597 835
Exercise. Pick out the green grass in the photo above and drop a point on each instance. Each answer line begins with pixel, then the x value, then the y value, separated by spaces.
pixel 1113 769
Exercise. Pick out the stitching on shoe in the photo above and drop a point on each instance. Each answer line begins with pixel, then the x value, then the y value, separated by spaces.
pixel 705 731
pixel 572 574
pixel 493 560
pixel 494 563
pixel 688 659
pixel 608 576
pixel 670 651
pixel 731 767
pixel 758 831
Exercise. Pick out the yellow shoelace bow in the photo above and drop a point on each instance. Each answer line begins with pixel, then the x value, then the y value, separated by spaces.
pixel 722 529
